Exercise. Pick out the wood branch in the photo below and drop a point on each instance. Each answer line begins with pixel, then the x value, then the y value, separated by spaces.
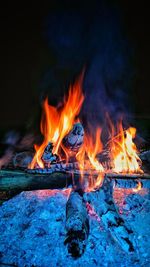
pixel 114 175
pixel 129 180
pixel 128 175
pixel 77 224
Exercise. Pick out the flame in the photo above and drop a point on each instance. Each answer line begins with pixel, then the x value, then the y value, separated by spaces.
pixel 56 123
pixel 123 151
pixel 87 160
pixel 138 188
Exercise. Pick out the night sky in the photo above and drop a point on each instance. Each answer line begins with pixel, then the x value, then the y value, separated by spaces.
pixel 25 56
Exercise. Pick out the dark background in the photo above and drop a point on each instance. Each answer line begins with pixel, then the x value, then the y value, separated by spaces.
pixel 25 55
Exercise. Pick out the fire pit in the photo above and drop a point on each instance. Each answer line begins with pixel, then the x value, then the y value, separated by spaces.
pixel 102 179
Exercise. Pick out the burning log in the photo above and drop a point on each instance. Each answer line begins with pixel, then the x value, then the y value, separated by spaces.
pixel 60 167
pixel 48 157
pixel 110 217
pixel 74 139
pixel 77 224
pixel 57 177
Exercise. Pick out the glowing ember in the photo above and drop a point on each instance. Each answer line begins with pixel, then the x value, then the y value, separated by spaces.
pixel 87 160
pixel 123 151
pixel 138 188
pixel 56 123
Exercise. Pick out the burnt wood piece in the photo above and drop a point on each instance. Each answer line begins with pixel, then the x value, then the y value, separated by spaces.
pixel 61 166
pixel 128 176
pixel 48 157
pixel 14 182
pixel 77 224
pixel 74 139
pixel 18 181
pixel 129 180
pixel 109 215
pixel 112 220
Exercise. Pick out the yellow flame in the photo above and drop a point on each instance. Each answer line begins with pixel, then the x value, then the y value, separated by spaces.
pixel 123 151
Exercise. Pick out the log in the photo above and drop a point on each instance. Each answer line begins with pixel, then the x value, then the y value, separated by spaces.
pixel 77 224
pixel 18 181
pixel 14 182
pixel 128 175
pixel 109 215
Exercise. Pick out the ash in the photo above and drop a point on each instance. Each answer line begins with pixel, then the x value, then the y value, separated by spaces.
pixel 32 227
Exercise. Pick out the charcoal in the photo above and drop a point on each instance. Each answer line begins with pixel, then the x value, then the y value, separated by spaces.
pixel 74 139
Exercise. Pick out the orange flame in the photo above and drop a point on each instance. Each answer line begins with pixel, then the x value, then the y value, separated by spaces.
pixel 87 160
pixel 138 188
pixel 56 123
pixel 123 151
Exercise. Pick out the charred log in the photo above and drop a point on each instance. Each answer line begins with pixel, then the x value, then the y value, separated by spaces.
pixel 14 182
pixel 77 224
pixel 57 177
pixel 48 157
pixel 110 217
pixel 74 139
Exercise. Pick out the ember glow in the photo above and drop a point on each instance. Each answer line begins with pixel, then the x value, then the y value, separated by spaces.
pixel 87 158
pixel 138 188
pixel 56 123
pixel 123 151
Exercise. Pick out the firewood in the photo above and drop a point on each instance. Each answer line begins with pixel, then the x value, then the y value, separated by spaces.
pixel 17 181
pixel 60 166
pixel 48 157
pixel 14 182
pixel 77 224
pixel 130 180
pixel 74 139
pixel 109 215
pixel 128 175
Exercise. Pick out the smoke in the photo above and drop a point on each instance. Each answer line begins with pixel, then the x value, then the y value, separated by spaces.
pixel 93 37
